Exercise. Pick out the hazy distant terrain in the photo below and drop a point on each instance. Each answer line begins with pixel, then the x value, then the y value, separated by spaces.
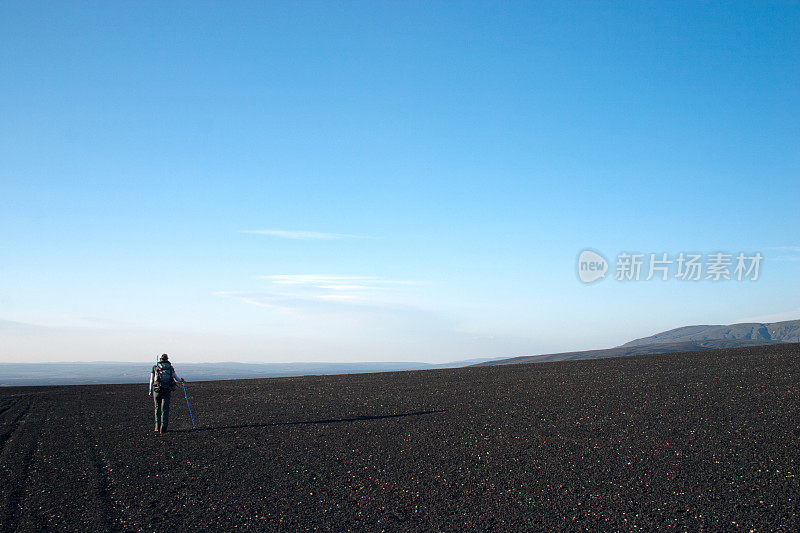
pixel 685 339
pixel 18 374
pixel 788 331
pixel 702 441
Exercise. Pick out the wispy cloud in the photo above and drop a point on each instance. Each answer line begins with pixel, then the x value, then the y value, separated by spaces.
pixel 303 235
pixel 314 291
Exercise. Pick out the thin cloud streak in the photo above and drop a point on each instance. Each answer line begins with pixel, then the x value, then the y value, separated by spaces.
pixel 303 235
pixel 317 292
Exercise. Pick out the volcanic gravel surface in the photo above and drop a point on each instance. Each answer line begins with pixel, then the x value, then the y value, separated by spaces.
pixel 703 440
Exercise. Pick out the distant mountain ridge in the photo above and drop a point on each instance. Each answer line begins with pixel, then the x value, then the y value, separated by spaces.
pixel 683 339
pixel 788 331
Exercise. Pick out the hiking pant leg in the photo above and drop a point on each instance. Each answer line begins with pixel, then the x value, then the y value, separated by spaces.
pixel 165 410
pixel 157 409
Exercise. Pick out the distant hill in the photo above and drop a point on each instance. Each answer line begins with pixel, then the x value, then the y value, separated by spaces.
pixel 684 339
pixel 788 331
pixel 624 350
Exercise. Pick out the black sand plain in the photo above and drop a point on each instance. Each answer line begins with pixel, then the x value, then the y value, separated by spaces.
pixel 690 441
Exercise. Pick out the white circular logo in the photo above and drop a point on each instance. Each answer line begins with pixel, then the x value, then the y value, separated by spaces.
pixel 591 266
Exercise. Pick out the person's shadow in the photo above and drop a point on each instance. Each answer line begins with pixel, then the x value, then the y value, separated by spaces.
pixel 302 422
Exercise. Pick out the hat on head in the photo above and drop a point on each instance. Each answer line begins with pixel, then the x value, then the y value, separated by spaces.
pixel 164 357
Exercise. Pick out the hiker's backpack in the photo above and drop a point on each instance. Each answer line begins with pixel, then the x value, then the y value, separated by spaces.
pixel 163 379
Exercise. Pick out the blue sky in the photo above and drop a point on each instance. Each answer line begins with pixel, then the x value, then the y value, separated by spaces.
pixel 385 180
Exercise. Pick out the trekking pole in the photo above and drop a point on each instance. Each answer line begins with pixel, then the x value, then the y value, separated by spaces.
pixel 187 403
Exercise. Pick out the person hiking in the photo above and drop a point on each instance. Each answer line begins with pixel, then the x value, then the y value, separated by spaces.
pixel 162 382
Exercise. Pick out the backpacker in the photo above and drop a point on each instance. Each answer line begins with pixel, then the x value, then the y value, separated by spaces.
pixel 163 376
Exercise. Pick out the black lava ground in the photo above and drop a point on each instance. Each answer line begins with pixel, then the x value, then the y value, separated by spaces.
pixel 705 440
